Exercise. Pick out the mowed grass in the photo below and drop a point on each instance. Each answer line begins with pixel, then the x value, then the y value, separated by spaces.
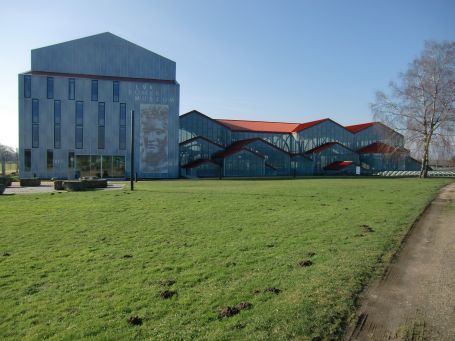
pixel 78 265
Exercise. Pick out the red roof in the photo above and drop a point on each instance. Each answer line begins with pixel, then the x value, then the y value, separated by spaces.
pixel 260 126
pixel 321 147
pixel 355 128
pixel 338 165
pixel 378 148
pixel 306 125
pixel 238 146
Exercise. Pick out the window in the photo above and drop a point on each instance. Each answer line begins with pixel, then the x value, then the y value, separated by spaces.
pixel 101 123
pixel 27 159
pixel 71 88
pixel 50 159
pixel 35 123
pixel 70 159
pixel 57 124
pixel 116 91
pixel 79 125
pixel 94 90
pixel 27 86
pixel 50 87
pixel 122 132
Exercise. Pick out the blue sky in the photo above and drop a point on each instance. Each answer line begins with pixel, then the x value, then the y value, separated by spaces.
pixel 261 60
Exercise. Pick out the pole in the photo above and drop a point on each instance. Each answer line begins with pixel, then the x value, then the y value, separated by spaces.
pixel 132 152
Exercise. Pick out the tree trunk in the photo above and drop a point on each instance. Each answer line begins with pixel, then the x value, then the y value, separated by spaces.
pixel 425 158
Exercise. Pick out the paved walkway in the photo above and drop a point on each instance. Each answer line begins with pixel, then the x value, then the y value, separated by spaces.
pixel 415 300
pixel 46 187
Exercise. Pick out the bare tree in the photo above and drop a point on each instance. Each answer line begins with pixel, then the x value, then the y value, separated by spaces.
pixel 422 103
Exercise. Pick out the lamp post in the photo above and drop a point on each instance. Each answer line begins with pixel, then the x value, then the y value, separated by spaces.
pixel 132 152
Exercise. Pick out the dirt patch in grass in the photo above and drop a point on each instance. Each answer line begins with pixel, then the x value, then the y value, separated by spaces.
pixel 273 290
pixel 367 228
pixel 228 312
pixel 127 256
pixel 167 294
pixel 243 305
pixel 135 321
pixel 305 263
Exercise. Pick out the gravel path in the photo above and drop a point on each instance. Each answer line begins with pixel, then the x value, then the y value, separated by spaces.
pixel 415 299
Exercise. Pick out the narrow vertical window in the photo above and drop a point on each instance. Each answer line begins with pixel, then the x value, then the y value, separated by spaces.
pixel 116 91
pixel 27 159
pixel 101 124
pixel 27 86
pixel 50 159
pixel 50 87
pixel 79 125
pixel 122 131
pixel 94 90
pixel 71 88
pixel 35 123
pixel 70 159
pixel 57 124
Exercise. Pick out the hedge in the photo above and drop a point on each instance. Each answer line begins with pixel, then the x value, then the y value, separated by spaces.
pixel 30 182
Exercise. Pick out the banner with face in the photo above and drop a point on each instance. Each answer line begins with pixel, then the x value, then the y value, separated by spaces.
pixel 154 138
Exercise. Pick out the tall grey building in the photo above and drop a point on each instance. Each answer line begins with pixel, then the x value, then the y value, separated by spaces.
pixel 75 104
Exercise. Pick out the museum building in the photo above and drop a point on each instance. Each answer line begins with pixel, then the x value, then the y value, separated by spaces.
pixel 75 109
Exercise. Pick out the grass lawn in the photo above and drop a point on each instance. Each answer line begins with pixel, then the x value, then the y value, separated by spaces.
pixel 79 265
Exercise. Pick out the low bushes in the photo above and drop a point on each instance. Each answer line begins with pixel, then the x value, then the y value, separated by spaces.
pixel 80 185
pixel 58 185
pixel 2 189
pixel 74 185
pixel 95 183
pixel 30 182
pixel 5 181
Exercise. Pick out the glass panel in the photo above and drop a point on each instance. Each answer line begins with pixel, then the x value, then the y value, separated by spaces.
pixel 94 90
pixel 50 159
pixel 79 138
pixel 50 87
pixel 122 138
pixel 70 159
pixel 83 165
pixel 27 159
pixel 101 137
pixel 57 136
pixel 27 86
pixel 35 111
pixel 118 166
pixel 35 135
pixel 116 91
pixel 107 166
pixel 71 88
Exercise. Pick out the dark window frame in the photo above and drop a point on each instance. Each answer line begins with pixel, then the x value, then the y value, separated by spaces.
pixel 50 159
pixel 79 127
pixel 71 90
pixel 122 127
pixel 35 123
pixel 27 160
pixel 101 125
pixel 27 86
pixel 94 90
pixel 50 87
pixel 57 124
pixel 115 91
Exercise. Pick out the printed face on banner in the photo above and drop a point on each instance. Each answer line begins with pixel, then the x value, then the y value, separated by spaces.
pixel 154 139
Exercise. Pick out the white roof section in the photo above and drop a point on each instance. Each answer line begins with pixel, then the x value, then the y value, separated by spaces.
pixel 103 54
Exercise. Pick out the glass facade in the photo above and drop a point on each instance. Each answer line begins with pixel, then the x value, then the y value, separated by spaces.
pixel 106 166
pixel 293 153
